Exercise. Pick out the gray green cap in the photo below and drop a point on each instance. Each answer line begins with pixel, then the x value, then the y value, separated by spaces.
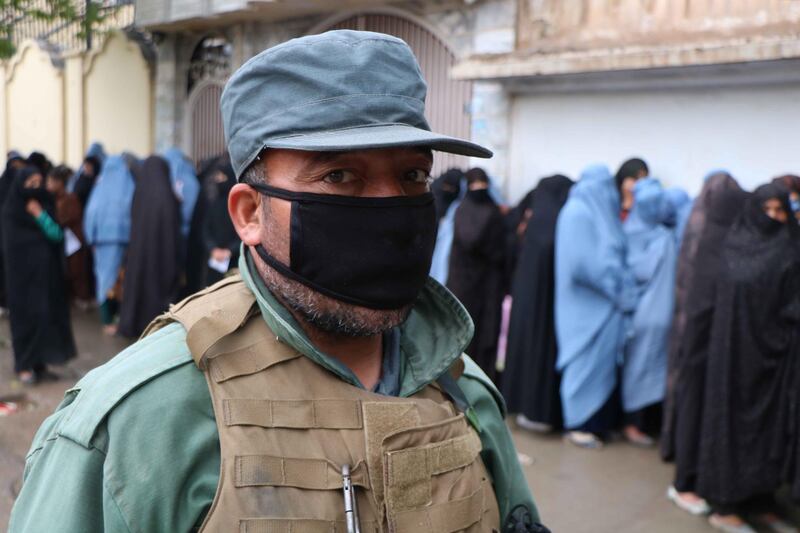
pixel 340 90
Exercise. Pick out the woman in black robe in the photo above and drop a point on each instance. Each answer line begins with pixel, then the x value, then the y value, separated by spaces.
pixel 196 257
pixel 41 333
pixel 699 263
pixel 152 266
pixel 477 263
pixel 87 177
pixel 220 237
pixel 531 383
pixel 14 164
pixel 756 316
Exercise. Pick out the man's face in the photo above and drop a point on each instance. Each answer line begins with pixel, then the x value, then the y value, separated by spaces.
pixel 363 173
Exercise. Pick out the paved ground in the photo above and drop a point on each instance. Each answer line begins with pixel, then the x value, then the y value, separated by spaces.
pixel 619 489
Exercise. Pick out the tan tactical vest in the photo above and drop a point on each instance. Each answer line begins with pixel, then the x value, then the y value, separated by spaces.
pixel 287 426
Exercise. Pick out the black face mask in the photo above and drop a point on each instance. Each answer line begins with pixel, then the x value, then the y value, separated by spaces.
pixel 370 252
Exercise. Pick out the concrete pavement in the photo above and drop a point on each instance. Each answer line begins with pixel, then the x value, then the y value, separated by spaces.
pixel 620 489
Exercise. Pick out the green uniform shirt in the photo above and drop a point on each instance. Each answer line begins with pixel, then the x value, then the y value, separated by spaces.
pixel 134 445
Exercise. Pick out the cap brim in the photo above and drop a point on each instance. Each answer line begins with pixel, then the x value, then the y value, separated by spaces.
pixel 378 136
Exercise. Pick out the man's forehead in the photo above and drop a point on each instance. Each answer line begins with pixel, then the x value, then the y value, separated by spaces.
pixel 320 158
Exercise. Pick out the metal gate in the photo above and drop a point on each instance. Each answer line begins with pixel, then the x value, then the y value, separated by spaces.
pixel 448 103
pixel 205 123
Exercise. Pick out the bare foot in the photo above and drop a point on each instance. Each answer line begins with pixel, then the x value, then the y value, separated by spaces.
pixel 728 519
pixel 110 330
pixel 690 497
pixel 637 437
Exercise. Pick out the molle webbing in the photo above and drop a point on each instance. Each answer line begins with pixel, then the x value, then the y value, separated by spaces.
pixel 298 414
pixel 317 474
pixel 300 525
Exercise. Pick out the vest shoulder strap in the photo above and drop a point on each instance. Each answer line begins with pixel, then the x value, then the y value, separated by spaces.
pixel 210 315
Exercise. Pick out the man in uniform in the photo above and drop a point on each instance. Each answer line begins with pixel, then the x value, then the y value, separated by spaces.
pixel 324 388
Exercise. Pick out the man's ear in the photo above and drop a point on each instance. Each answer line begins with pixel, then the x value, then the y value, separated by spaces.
pixel 244 207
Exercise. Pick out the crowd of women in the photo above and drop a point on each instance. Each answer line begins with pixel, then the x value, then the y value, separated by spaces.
pixel 613 305
pixel 129 236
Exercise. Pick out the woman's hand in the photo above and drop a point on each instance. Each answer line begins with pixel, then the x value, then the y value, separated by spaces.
pixel 220 254
pixel 34 208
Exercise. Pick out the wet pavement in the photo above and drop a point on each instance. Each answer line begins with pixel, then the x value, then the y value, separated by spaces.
pixel 619 489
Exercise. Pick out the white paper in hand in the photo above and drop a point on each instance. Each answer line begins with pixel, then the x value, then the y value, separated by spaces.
pixel 71 242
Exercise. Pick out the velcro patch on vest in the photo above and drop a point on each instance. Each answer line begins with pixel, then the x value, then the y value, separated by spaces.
pixel 303 473
pixel 300 525
pixel 382 418
pixel 410 470
pixel 294 414
pixel 455 515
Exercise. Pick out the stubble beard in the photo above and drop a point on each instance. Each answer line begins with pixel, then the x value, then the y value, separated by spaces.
pixel 322 312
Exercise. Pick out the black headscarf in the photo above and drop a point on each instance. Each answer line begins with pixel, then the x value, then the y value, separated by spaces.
pixel 152 268
pixel 86 179
pixel 40 161
pixel 530 382
pixel 218 230
pixel 19 226
pixel 446 189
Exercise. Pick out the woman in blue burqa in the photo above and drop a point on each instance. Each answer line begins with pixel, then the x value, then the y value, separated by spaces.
pixel 107 227
pixel 595 297
pixel 652 256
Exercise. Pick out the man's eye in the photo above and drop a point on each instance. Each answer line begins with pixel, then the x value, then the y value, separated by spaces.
pixel 418 176
pixel 339 176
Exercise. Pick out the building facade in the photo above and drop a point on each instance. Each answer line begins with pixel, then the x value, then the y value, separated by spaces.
pixel 549 85
pixel 59 93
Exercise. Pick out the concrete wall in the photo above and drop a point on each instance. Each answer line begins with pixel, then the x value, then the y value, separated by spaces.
pixel 34 118
pixel 59 105
pixel 118 98
pixel 681 133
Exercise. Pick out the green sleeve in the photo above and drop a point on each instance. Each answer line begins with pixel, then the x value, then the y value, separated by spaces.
pixel 63 488
pixel 133 448
pixel 499 453
pixel 50 227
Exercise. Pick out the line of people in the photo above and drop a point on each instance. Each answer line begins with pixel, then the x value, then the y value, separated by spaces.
pixel 127 235
pixel 614 304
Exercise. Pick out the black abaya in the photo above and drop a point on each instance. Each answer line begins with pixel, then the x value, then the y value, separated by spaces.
pixel 698 266
pixel 152 267
pixel 41 332
pixel 756 316
pixel 530 382
pixel 476 274
pixel 218 230
pixel 6 182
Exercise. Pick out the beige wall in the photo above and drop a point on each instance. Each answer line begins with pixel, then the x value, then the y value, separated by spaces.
pixel 118 98
pixel 34 118
pixel 104 96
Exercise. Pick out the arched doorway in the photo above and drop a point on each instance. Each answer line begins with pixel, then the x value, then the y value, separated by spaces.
pixel 448 103
pixel 208 70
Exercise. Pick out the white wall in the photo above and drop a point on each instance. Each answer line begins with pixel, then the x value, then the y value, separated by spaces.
pixel 682 134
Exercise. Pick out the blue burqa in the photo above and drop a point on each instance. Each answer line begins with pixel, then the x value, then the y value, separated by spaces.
pixel 653 257
pixel 107 222
pixel 681 205
pixel 185 184
pixel 595 294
